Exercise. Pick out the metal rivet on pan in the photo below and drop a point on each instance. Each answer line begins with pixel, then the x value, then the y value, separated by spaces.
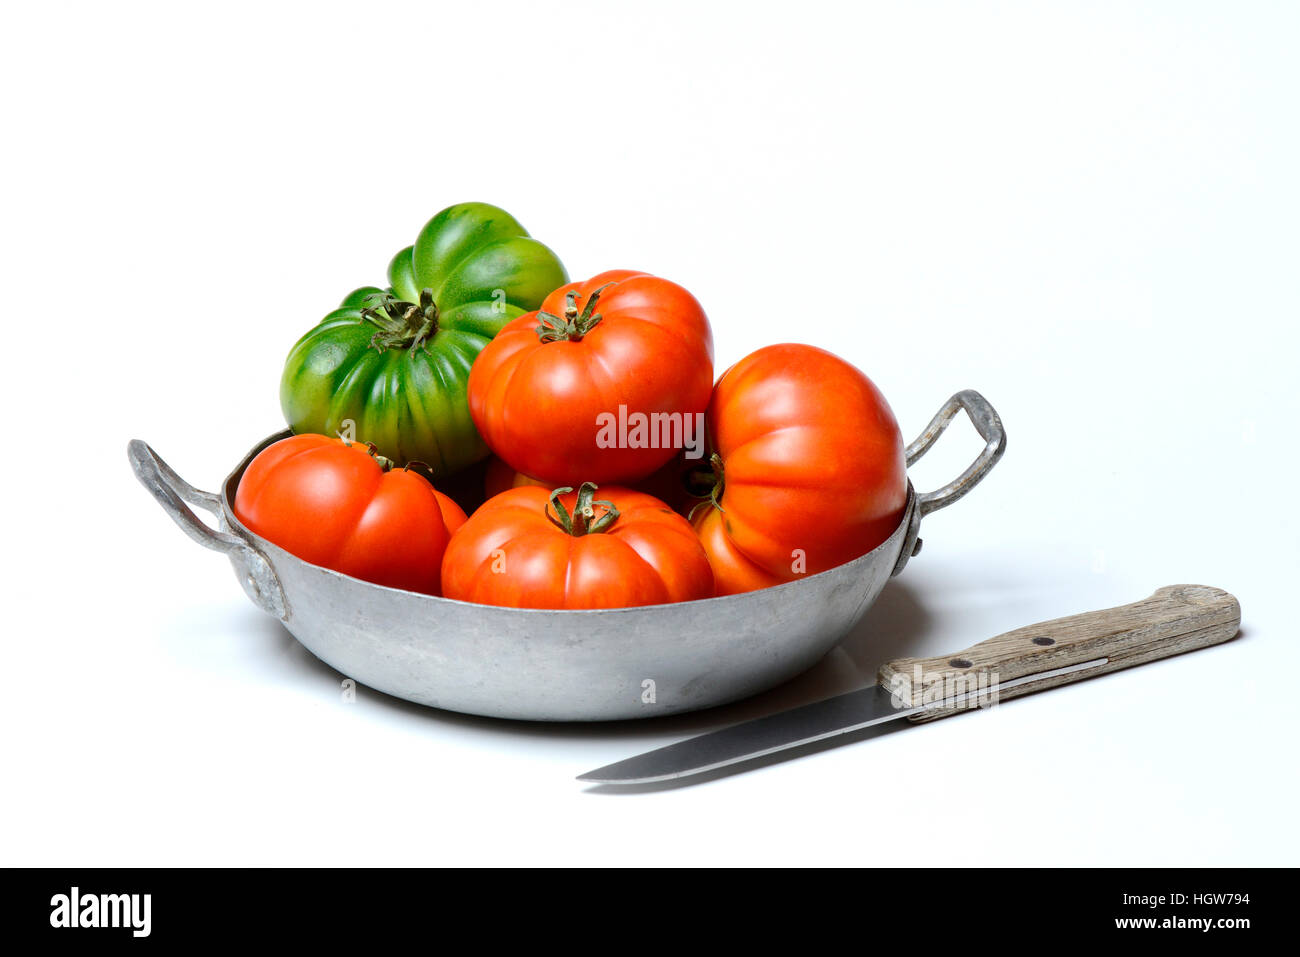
pixel 1044 640
pixel 959 663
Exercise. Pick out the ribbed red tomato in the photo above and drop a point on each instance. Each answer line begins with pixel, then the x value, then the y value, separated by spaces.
pixel 533 548
pixel 338 505
pixel 809 470
pixel 600 384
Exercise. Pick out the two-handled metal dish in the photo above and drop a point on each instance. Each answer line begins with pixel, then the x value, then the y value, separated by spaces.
pixel 563 665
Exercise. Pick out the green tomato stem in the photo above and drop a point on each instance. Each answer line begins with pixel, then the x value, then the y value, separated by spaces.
pixel 572 326
pixel 584 520
pixel 707 484
pixel 383 461
pixel 401 325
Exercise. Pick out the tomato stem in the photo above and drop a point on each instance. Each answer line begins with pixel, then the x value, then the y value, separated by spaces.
pixel 584 520
pixel 422 469
pixel 401 325
pixel 707 484
pixel 383 461
pixel 572 326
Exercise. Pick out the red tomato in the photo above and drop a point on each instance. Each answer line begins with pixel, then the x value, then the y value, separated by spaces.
pixel 598 385
pixel 533 548
pixel 337 505
pixel 810 469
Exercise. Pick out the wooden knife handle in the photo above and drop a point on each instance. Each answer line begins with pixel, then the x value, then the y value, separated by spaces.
pixel 1175 619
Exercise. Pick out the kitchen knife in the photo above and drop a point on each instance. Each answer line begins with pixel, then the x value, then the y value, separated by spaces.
pixel 1175 619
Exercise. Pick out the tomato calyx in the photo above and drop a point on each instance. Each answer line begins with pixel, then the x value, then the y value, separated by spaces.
pixel 707 484
pixel 383 461
pixel 401 324
pixel 422 469
pixel 572 326
pixel 584 520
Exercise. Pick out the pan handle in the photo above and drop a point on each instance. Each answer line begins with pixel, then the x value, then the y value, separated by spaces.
pixel 988 424
pixel 173 492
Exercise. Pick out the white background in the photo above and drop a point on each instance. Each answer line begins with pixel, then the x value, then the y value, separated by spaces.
pixel 1088 212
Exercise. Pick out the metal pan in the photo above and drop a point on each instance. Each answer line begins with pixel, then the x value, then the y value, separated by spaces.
pixel 563 665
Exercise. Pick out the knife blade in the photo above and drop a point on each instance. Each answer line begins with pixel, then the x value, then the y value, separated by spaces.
pixel 1175 619
pixel 760 737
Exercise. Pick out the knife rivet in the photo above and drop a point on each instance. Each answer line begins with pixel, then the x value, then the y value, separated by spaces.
pixel 1044 640
pixel 959 663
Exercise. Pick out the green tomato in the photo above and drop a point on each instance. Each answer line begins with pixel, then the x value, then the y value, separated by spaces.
pixel 390 366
